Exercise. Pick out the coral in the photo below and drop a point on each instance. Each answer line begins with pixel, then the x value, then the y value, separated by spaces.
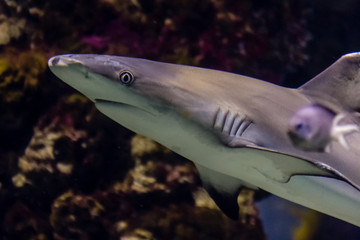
pixel 24 223
pixel 186 222
pixel 217 34
pixel 248 212
pixel 77 217
pixel 138 234
pixel 64 151
pixel 24 95
pixel 66 148
pixel 19 74
pixel 226 34
pixel 10 28
pixel 150 173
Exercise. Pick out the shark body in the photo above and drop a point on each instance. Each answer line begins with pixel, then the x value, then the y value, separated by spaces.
pixel 233 127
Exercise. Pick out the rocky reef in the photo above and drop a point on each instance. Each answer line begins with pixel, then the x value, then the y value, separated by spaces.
pixel 68 172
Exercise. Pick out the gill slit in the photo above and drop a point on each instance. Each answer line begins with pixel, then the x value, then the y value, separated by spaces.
pixel 230 124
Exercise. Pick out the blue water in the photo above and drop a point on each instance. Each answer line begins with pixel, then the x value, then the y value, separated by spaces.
pixel 278 217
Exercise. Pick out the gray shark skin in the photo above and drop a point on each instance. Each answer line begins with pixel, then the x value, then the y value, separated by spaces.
pixel 233 127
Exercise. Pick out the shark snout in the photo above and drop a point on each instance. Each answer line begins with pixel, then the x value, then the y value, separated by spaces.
pixel 54 61
pixel 81 72
pixel 62 61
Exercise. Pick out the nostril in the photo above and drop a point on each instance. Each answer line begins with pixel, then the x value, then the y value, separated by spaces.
pixel 55 61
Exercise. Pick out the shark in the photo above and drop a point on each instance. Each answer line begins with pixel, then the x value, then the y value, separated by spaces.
pixel 234 128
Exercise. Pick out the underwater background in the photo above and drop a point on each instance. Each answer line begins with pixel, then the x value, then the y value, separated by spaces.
pixel 68 172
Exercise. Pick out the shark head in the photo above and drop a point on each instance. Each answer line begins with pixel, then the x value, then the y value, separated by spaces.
pixel 141 95
pixel 113 79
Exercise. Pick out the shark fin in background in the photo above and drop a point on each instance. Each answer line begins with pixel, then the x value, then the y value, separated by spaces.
pixel 339 83
pixel 223 189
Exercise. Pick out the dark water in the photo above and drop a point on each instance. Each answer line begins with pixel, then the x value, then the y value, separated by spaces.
pixel 68 172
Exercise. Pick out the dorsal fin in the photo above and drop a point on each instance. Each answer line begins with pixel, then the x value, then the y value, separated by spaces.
pixel 338 83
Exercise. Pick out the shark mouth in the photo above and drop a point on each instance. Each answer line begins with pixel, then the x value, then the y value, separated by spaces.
pixel 123 105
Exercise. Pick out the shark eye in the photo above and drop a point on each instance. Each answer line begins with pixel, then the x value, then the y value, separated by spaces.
pixel 299 126
pixel 126 78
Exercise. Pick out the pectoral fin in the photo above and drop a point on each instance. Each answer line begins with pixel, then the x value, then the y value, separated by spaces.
pixel 223 189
